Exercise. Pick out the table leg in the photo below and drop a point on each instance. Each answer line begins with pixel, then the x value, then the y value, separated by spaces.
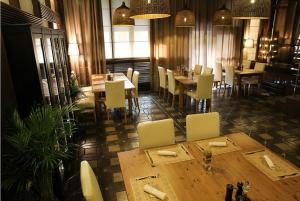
pixel 239 82
pixel 181 94
pixel 129 102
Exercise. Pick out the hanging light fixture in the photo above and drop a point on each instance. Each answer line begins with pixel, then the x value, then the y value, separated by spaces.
pixel 185 18
pixel 121 16
pixel 222 17
pixel 251 9
pixel 149 9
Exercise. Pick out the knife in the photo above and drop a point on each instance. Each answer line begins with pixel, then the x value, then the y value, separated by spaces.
pixel 185 149
pixel 287 175
pixel 152 164
pixel 253 152
pixel 146 177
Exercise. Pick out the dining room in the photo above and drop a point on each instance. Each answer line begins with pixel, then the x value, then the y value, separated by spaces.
pixel 139 100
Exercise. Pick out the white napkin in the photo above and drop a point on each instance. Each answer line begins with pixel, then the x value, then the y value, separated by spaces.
pixel 167 153
pixel 217 144
pixel 153 191
pixel 269 162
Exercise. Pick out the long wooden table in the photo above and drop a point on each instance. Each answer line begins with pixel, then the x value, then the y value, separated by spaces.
pixel 184 82
pixel 98 85
pixel 191 182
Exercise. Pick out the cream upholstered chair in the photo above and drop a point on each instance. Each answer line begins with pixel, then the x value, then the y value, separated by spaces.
pixel 135 94
pixel 129 73
pixel 218 75
pixel 202 126
pixel 229 79
pixel 260 67
pixel 207 71
pixel 89 184
pixel 203 90
pixel 197 69
pixel 156 133
pixel 115 95
pixel 172 87
pixel 162 81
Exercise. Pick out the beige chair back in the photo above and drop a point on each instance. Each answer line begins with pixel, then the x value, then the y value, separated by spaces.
pixel 171 81
pixel 229 75
pixel 202 126
pixel 207 71
pixel 204 87
pixel 156 133
pixel 259 66
pixel 246 64
pixel 115 94
pixel 89 184
pixel 129 73
pixel 197 69
pixel 135 82
pixel 162 77
pixel 218 72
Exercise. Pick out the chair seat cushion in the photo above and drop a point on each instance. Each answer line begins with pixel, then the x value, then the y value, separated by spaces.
pixel 85 103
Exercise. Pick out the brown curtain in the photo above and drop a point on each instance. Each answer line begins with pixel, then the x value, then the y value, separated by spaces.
pixel 84 26
pixel 205 44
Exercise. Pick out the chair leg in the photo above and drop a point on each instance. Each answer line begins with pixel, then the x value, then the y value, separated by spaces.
pixel 231 92
pixel 107 113
pixel 168 99
pixel 244 89
pixel 224 89
pixel 173 100
pixel 125 115
pixel 197 105
pixel 137 103
pixel 159 89
pixel 249 87
pixel 164 93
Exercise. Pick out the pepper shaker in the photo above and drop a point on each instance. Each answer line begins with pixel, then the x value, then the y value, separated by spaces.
pixel 229 190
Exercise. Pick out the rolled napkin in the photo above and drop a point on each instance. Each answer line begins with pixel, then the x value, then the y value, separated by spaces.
pixel 269 162
pixel 167 153
pixel 217 144
pixel 153 191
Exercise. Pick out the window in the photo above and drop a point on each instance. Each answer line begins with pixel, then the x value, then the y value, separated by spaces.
pixel 123 41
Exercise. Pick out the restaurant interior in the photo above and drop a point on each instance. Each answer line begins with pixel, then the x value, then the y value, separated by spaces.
pixel 147 100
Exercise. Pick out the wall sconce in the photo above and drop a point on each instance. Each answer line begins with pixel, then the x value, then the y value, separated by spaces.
pixel 73 49
pixel 249 43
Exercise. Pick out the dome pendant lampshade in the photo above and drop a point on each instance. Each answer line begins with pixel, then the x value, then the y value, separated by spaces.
pixel 121 16
pixel 185 18
pixel 222 17
pixel 251 9
pixel 149 9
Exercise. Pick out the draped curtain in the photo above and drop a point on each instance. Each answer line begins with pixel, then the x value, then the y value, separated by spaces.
pixel 205 44
pixel 83 20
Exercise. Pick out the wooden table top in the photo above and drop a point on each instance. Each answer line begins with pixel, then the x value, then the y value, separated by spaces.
pixel 186 80
pixel 191 182
pixel 98 81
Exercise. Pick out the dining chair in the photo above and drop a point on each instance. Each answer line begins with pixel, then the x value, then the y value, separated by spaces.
pixel 197 69
pixel 89 184
pixel 86 103
pixel 207 71
pixel 156 133
pixel 218 75
pixel 229 79
pixel 172 87
pixel 203 90
pixel 115 96
pixel 254 80
pixel 162 81
pixel 202 126
pixel 134 92
pixel 129 73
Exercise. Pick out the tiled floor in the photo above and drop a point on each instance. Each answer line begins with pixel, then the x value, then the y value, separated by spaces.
pixel 255 115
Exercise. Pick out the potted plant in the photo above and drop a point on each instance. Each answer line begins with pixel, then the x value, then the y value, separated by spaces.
pixel 34 149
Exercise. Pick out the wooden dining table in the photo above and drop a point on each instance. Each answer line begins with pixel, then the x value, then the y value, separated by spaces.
pixel 247 73
pixel 98 85
pixel 184 82
pixel 191 182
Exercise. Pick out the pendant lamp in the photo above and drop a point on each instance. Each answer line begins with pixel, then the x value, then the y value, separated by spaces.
pixel 121 16
pixel 185 18
pixel 251 9
pixel 222 17
pixel 149 9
